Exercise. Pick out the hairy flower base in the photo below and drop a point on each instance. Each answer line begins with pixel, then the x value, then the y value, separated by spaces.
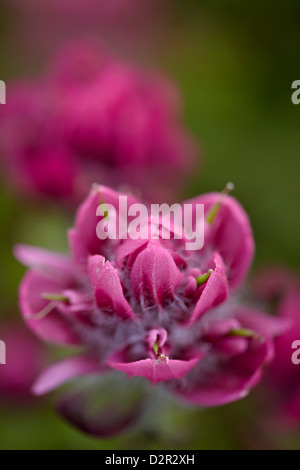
pixel 151 308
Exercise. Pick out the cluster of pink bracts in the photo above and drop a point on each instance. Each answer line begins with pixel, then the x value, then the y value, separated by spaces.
pixel 148 307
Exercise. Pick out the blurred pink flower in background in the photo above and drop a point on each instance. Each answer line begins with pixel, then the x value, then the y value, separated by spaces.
pixel 107 8
pixel 95 118
pixel 43 26
pixel 281 288
pixel 150 308
pixel 25 358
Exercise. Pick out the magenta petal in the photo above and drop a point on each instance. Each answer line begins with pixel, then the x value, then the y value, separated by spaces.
pixel 230 235
pixel 277 283
pixel 265 325
pixel 156 370
pixel 215 291
pixel 282 285
pixel 45 261
pixel 107 286
pixel 83 237
pixel 219 328
pixel 231 346
pixel 87 220
pixel 155 276
pixel 231 379
pixel 78 248
pixel 227 389
pixel 158 335
pixel 274 280
pixel 128 251
pixel 58 374
pixel 53 327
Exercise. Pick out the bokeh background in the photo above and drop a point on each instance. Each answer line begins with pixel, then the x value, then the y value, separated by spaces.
pixel 234 63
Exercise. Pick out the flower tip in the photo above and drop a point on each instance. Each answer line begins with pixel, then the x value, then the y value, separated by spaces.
pixel 229 187
pixel 204 277
pixel 246 333
pixel 216 207
pixel 95 186
pixel 54 297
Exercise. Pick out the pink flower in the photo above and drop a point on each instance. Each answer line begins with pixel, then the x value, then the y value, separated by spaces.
pixel 150 308
pixel 24 361
pixel 280 289
pixel 94 118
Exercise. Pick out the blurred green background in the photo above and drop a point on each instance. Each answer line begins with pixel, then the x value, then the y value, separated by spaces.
pixel 234 63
